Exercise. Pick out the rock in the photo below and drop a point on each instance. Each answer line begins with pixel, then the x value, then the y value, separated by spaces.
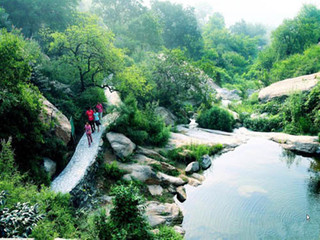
pixel 205 162
pixel 172 189
pixel 181 194
pixel 166 179
pixel 192 167
pixel 194 182
pixel 149 153
pixel 162 213
pixel 179 230
pixel 139 172
pixel 155 190
pixel 49 166
pixel 198 177
pixel 167 116
pixel 288 86
pixel 122 146
pixel 249 92
pixel 61 125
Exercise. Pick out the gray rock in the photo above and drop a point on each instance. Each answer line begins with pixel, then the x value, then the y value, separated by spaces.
pixel 198 177
pixel 61 125
pixel 149 153
pixel 194 182
pixel 192 167
pixel 167 116
pixel 162 213
pixel 181 194
pixel 142 173
pixel 176 181
pixel 205 162
pixel 155 190
pixel 179 230
pixel 122 146
pixel 49 166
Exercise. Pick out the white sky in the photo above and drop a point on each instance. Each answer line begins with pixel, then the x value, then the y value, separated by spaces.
pixel 267 12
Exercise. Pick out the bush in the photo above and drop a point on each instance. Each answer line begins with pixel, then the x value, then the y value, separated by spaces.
pixel 167 233
pixel 216 118
pixel 193 152
pixel 270 124
pixel 142 127
pixel 112 171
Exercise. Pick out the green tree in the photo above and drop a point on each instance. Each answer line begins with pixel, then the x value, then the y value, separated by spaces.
pixel 180 27
pixel 31 15
pixel 88 49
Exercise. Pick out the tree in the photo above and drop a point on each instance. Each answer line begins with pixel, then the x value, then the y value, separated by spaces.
pixel 31 15
pixel 4 21
pixel 180 27
pixel 88 49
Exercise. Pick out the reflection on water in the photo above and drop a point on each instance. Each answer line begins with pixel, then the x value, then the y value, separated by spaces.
pixel 258 191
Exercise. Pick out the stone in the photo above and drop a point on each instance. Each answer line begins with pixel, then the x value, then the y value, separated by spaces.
pixel 52 116
pixel 155 190
pixel 194 182
pixel 179 230
pixel 167 116
pixel 197 176
pixel 162 213
pixel 166 179
pixel 149 153
pixel 49 166
pixel 122 146
pixel 181 194
pixel 142 173
pixel 205 162
pixel 288 86
pixel 192 167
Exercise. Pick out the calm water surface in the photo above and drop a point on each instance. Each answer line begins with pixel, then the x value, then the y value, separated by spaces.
pixel 256 191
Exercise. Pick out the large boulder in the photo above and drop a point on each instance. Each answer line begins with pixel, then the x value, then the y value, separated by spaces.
pixel 122 146
pixel 52 116
pixel 167 116
pixel 166 179
pixel 139 172
pixel 155 190
pixel 163 213
pixel 205 162
pixel 150 153
pixel 288 86
pixel 179 230
pixel 192 167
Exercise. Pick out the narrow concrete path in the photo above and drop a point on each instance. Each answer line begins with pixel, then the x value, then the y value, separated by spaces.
pixel 84 156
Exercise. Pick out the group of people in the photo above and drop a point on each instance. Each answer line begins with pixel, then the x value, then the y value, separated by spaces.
pixel 94 116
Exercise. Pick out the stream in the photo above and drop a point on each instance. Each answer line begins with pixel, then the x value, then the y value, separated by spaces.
pixel 257 191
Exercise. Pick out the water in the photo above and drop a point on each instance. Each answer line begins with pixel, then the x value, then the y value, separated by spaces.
pixel 254 192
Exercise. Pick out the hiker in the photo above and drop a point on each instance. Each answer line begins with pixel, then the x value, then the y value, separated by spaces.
pixel 96 119
pixel 99 107
pixel 89 113
pixel 87 128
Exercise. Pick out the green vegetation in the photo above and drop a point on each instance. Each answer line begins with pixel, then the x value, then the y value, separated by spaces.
pixel 142 127
pixel 216 118
pixel 193 152
pixel 112 171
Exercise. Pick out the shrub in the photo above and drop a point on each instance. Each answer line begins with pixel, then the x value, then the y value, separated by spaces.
pixel 142 127
pixel 273 123
pixel 193 152
pixel 216 118
pixel 112 171
pixel 167 233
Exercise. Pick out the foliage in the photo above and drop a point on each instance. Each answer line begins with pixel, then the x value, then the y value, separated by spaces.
pixel 167 233
pixel 39 13
pixel 18 221
pixel 88 49
pixel 112 171
pixel 142 127
pixel 263 124
pixel 216 118
pixel 193 152
pixel 4 19
pixel 178 83
pixel 180 27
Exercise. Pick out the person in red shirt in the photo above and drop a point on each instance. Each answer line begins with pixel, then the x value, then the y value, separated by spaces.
pixel 89 113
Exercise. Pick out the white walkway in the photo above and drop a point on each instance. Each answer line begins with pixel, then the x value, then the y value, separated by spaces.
pixel 84 156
